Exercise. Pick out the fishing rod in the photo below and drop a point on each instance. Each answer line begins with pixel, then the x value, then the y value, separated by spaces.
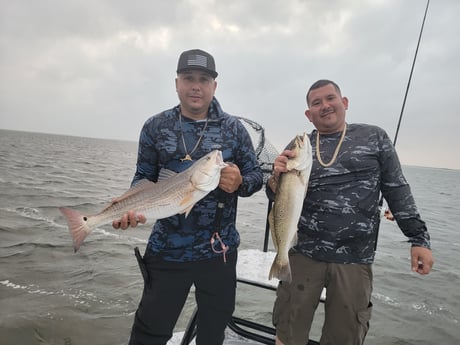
pixel 411 72
pixel 405 96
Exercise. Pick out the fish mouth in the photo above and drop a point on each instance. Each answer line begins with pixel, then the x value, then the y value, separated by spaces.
pixel 300 140
pixel 220 159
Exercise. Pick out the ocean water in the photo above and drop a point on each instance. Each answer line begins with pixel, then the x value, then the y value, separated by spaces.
pixel 50 295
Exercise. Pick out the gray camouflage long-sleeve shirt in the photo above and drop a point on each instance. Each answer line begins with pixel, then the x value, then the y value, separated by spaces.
pixel 180 238
pixel 341 215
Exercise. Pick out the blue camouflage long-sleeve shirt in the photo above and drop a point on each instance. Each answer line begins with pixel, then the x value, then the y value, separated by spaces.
pixel 180 238
pixel 341 215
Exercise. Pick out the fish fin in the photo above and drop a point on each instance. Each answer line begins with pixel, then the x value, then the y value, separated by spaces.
pixel 187 198
pixel 293 241
pixel 279 270
pixel 165 174
pixel 291 165
pixel 142 184
pixel 78 226
pixel 187 210
pixel 303 178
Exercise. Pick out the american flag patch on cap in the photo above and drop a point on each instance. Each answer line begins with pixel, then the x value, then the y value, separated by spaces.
pixel 197 60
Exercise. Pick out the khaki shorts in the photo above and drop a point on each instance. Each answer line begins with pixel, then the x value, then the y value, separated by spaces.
pixel 347 307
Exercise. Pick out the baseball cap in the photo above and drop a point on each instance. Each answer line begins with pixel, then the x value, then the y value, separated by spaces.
pixel 197 59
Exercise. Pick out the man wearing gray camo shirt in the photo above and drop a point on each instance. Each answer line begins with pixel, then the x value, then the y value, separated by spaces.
pixel 337 231
pixel 200 249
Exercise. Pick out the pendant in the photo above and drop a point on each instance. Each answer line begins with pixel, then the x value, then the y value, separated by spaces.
pixel 186 158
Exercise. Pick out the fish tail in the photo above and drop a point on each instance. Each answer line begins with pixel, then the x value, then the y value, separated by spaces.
pixel 78 226
pixel 280 270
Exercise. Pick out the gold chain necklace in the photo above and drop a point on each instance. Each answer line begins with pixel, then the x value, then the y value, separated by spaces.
pixel 188 156
pixel 336 152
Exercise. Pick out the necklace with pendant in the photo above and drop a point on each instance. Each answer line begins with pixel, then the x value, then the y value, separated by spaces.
pixel 336 152
pixel 188 156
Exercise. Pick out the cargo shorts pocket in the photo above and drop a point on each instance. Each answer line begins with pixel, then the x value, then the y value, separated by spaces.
pixel 364 317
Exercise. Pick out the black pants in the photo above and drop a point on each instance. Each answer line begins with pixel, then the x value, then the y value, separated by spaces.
pixel 166 288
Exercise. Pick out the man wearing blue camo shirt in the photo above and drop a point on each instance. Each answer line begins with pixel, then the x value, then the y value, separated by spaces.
pixel 337 230
pixel 180 252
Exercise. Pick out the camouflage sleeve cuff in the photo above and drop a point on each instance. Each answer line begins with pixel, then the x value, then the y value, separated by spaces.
pixel 250 185
pixel 423 240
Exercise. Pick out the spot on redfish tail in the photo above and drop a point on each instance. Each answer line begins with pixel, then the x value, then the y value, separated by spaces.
pixel 78 226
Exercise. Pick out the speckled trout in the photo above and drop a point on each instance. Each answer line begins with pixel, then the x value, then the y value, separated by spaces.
pixel 287 207
pixel 174 193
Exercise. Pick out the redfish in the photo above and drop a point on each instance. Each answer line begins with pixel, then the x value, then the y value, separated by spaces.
pixel 174 193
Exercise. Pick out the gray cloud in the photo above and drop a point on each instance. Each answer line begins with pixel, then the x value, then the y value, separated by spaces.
pixel 99 69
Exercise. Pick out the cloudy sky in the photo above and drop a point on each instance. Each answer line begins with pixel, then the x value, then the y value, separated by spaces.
pixel 101 68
